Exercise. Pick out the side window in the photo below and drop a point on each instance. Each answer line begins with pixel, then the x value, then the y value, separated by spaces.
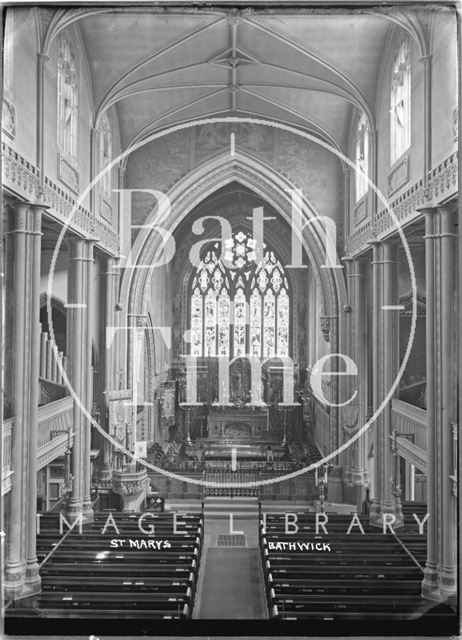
pixel 400 102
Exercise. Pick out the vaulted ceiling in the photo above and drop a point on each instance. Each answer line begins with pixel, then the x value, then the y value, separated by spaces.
pixel 161 67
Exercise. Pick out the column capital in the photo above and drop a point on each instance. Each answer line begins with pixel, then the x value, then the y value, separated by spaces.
pixel 81 249
pixel 27 218
pixel 42 58
pixel 39 206
pixel 427 209
pixel 449 208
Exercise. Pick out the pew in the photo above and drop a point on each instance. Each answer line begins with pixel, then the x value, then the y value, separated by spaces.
pixel 357 576
pixel 87 577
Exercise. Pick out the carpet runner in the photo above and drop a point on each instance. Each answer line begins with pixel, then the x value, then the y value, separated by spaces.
pixel 233 585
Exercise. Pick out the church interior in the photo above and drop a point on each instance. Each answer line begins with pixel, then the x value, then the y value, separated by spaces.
pixel 230 340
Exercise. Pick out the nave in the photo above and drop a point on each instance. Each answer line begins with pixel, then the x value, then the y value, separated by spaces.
pixel 230 287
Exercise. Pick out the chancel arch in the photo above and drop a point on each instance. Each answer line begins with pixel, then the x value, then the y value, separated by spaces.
pixel 272 187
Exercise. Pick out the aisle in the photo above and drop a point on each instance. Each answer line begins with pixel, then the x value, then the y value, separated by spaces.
pixel 232 586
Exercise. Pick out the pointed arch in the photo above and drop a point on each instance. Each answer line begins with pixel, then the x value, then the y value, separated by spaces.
pixel 203 182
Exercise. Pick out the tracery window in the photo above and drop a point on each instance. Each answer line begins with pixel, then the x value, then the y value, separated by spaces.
pixel 400 102
pixel 362 157
pixel 105 155
pixel 67 99
pixel 239 311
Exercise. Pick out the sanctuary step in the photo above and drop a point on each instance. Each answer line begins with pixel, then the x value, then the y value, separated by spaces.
pixel 222 506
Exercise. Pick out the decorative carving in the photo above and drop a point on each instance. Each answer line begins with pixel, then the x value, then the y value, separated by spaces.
pixel 325 328
pixel 128 487
pixel 443 179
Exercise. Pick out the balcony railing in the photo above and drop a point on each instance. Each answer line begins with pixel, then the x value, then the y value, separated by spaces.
pixel 50 359
pixel 23 179
pixel 410 421
pixel 442 184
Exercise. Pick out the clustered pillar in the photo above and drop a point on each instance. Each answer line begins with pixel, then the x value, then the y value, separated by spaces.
pixel 112 276
pixel 440 571
pixel 80 373
pixel 356 410
pixel 22 570
pixel 386 499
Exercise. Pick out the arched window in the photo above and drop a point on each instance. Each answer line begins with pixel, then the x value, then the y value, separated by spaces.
pixel 239 311
pixel 105 155
pixel 67 99
pixel 400 102
pixel 362 157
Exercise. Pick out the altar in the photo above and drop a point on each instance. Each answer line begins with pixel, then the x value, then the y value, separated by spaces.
pixel 246 423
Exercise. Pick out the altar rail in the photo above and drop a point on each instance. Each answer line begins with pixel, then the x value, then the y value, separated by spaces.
pixel 228 478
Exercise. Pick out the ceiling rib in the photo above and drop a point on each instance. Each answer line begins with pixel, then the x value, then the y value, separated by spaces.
pixel 181 39
pixel 296 113
pixel 322 61
pixel 149 127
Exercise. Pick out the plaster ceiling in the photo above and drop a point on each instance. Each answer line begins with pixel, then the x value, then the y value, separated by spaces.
pixel 158 67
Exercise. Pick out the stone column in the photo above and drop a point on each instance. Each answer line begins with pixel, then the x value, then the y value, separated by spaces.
pixel 21 572
pixel 87 345
pixel 385 365
pixel 111 278
pixel 448 577
pixel 376 277
pixel 440 571
pixel 390 502
pixel 79 340
pixel 346 457
pixel 359 355
pixel 430 581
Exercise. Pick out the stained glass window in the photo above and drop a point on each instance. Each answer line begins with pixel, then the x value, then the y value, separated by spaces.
pixel 400 102
pixel 243 310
